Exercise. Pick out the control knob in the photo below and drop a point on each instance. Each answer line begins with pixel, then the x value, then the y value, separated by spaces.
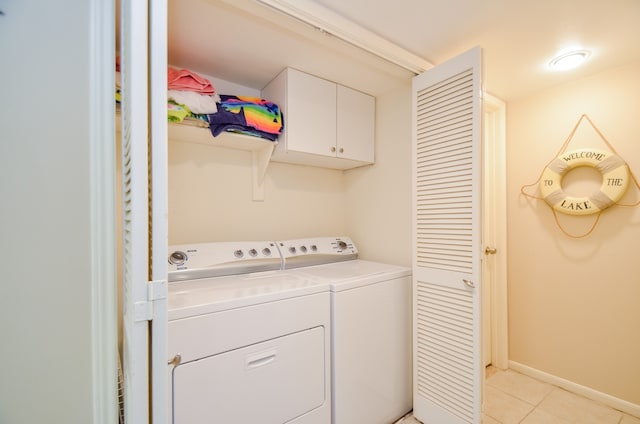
pixel 177 258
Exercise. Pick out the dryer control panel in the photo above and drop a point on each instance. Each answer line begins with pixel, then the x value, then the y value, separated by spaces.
pixel 316 251
pixel 203 260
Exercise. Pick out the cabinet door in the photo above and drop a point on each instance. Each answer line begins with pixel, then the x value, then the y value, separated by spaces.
pixel 311 114
pixel 355 125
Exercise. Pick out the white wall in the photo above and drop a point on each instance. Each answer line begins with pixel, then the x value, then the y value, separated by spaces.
pixel 378 197
pixel 574 302
pixel 210 198
pixel 46 307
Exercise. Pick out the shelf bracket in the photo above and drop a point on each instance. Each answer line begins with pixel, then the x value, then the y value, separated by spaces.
pixel 259 162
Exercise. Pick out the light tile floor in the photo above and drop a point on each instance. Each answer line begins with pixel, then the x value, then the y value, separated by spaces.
pixel 514 398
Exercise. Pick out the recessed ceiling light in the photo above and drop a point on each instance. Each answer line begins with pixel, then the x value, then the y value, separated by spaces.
pixel 569 60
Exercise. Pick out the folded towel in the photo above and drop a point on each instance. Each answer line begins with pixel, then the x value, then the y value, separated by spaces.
pixel 184 79
pixel 253 113
pixel 196 102
pixel 217 129
pixel 176 113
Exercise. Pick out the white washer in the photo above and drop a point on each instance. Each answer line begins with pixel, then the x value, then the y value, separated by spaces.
pixel 371 329
pixel 252 347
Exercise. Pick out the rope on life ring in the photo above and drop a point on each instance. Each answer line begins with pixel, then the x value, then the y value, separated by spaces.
pixel 615 180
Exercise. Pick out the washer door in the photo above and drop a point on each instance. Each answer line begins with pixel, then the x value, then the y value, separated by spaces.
pixel 270 382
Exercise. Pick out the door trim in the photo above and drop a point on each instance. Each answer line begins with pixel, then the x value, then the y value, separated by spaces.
pixel 495 151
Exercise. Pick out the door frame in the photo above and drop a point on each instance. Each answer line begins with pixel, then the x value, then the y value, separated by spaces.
pixel 495 224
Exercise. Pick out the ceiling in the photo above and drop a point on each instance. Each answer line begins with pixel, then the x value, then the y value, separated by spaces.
pixel 248 43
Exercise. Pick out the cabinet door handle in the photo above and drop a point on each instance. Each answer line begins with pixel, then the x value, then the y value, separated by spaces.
pixel 333 149
pixel 341 150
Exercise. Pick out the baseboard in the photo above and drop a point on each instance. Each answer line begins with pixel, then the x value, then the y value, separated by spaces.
pixel 614 402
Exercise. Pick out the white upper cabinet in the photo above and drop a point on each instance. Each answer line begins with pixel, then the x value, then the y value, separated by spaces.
pixel 309 104
pixel 355 125
pixel 325 124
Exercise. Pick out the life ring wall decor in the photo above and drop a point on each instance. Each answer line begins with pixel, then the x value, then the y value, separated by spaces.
pixel 615 180
pixel 616 177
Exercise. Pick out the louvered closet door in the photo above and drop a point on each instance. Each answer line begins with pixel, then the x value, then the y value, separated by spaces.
pixel 144 227
pixel 448 372
pixel 158 231
pixel 135 209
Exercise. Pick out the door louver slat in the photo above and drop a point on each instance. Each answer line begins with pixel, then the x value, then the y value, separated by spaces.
pixel 441 327
pixel 441 158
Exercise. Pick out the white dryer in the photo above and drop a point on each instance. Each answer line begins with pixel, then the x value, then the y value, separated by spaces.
pixel 371 340
pixel 247 342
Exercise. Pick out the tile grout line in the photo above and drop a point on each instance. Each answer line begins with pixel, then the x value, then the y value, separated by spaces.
pixel 538 404
pixel 534 405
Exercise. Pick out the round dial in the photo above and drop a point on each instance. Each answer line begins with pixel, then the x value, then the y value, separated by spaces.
pixel 342 245
pixel 177 258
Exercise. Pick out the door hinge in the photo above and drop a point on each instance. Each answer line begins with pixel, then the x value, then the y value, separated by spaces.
pixel 143 310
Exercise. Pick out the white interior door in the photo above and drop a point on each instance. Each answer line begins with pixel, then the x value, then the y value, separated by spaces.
pixel 447 172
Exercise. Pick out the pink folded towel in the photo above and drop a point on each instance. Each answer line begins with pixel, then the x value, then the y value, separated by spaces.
pixel 186 80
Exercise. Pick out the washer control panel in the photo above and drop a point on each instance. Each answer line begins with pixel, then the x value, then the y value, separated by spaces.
pixel 315 251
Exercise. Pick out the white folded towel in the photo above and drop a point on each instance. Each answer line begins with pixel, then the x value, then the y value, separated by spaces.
pixel 196 102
